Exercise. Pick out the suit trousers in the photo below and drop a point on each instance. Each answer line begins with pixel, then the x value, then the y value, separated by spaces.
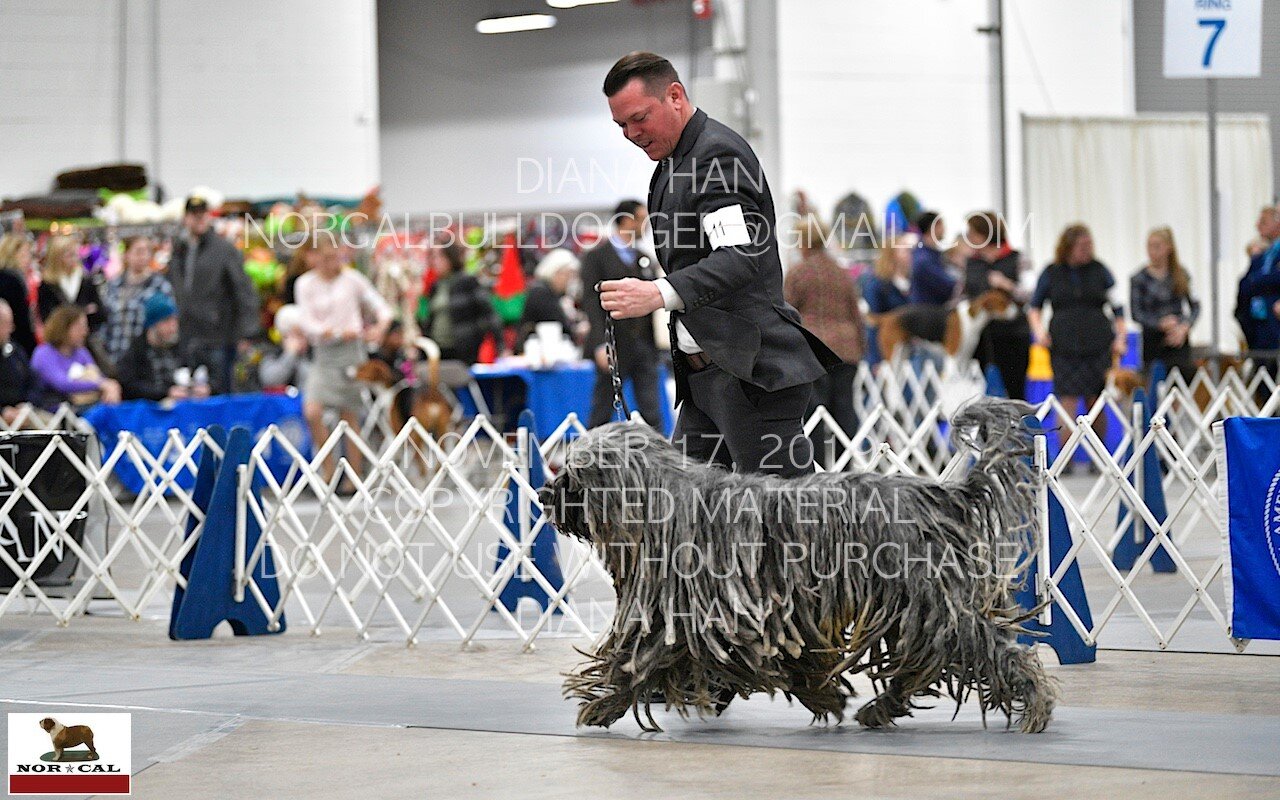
pixel 740 426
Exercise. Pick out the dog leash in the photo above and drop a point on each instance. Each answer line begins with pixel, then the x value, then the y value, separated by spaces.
pixel 620 411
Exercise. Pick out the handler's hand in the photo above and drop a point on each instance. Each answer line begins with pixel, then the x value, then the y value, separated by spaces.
pixel 629 298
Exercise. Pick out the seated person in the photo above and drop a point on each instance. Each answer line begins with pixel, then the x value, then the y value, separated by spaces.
pixel 152 368
pixel 288 366
pixel 548 294
pixel 64 365
pixel 17 381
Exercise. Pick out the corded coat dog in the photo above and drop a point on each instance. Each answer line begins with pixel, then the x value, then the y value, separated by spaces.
pixel 730 583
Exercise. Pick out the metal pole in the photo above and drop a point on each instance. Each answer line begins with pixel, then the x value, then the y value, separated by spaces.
pixel 1044 555
pixel 155 101
pixel 995 31
pixel 122 81
pixel 1215 234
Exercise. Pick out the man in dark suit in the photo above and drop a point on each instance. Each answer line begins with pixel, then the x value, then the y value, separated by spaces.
pixel 1258 294
pixel 743 362
pixel 615 258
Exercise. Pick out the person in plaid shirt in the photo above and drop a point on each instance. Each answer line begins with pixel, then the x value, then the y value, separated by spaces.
pixel 126 296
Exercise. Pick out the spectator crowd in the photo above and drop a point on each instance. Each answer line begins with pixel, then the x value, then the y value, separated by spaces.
pixel 199 324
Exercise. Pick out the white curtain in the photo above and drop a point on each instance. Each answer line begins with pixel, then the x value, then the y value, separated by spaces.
pixel 1124 176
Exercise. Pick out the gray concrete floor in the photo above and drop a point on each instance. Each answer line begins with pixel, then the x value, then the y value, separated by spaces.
pixel 235 718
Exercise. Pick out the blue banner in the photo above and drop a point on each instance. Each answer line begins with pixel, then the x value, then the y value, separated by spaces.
pixel 151 422
pixel 1249 458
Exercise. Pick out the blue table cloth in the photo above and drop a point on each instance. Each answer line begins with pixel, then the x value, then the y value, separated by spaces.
pixel 551 394
pixel 151 423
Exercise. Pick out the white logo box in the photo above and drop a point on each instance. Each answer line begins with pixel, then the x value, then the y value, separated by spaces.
pixel 110 774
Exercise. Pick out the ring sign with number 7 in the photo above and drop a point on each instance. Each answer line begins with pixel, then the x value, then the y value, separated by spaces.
pixel 1212 38
pixel 1216 25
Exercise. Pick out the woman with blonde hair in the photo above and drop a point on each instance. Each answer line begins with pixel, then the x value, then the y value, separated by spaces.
pixel 341 313
pixel 63 280
pixel 15 263
pixel 1160 301
pixel 887 287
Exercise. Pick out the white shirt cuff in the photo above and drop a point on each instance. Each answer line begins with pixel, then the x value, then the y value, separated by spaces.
pixel 670 300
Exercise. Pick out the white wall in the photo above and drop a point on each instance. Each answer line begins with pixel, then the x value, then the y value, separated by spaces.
pixel 1063 59
pixel 463 113
pixel 880 97
pixel 58 93
pixel 253 98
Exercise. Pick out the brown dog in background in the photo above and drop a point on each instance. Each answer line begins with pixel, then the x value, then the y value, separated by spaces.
pixel 429 407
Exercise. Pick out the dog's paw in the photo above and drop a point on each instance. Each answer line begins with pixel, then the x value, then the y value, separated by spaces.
pixel 1034 719
pixel 879 713
pixel 601 713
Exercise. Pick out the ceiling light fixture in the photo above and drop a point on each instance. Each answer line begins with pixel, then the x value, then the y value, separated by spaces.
pixel 576 3
pixel 523 22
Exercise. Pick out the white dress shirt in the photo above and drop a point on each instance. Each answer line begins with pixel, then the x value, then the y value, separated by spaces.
pixel 685 342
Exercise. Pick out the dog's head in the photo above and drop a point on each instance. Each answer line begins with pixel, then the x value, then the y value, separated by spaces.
pixel 993 426
pixel 376 371
pixel 995 304
pixel 1122 383
pixel 48 723
pixel 597 494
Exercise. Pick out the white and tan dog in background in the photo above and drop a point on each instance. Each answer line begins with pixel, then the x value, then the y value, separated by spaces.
pixel 956 329
pixel 64 736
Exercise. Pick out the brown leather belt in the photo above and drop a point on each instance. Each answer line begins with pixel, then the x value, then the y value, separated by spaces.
pixel 697 361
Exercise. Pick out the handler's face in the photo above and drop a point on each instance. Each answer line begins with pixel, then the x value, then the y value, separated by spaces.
pixel 653 124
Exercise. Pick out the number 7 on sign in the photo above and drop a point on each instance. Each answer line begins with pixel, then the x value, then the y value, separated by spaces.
pixel 1217 24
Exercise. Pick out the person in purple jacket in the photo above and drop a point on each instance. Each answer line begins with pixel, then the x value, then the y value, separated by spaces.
pixel 64 365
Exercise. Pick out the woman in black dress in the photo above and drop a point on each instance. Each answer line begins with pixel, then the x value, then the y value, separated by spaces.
pixel 996 265
pixel 1087 328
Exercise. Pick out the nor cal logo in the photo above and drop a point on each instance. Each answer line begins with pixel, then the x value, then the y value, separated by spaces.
pixel 68 752
pixel 1271 522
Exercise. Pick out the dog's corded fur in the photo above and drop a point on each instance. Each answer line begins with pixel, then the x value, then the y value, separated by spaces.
pixel 745 583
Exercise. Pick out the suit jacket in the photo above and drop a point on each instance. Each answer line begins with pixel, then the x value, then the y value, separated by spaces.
pixel 634 336
pixel 733 302
pixel 1260 333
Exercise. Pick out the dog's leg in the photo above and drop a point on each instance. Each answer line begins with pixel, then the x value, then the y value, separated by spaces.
pixel 814 686
pixel 93 751
pixel 1008 676
pixel 57 753
pixel 1032 692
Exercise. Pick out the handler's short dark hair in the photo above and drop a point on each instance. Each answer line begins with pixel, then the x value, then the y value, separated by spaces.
pixel 656 72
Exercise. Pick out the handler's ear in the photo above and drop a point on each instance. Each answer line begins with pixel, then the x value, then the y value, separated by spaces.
pixel 676 95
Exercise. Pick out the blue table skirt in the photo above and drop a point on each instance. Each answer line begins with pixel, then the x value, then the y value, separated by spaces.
pixel 151 422
pixel 551 394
